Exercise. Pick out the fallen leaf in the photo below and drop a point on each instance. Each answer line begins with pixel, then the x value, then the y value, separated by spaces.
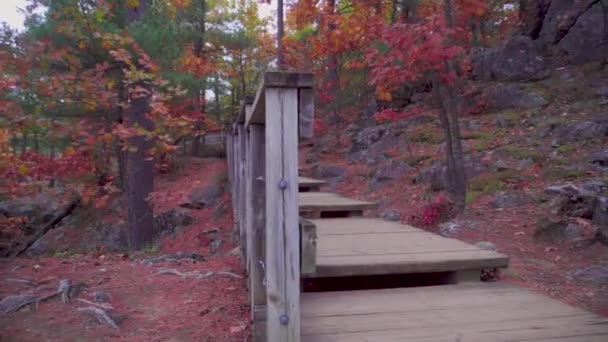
pixel 550 249
pixel 237 328
pixel 519 233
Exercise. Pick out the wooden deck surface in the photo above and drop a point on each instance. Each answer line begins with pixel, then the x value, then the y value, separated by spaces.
pixel 366 246
pixel 325 201
pixel 474 312
pixel 310 182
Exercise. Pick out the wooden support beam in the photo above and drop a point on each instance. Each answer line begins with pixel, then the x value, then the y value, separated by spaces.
pixel 242 190
pixel 308 247
pixel 235 176
pixel 306 113
pixel 256 218
pixel 282 228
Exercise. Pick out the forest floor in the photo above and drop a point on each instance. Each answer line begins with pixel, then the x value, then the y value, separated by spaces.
pixel 151 303
pixel 179 300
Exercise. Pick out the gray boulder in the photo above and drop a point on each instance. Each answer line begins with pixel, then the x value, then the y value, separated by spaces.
pixel 473 125
pixel 599 158
pixel 500 165
pixel 391 215
pixel 518 59
pixel 512 96
pixel 584 42
pixel 574 206
pixel 40 208
pixel 524 164
pixel 556 231
pixel 511 200
pixel 487 245
pixel 332 171
pixel 596 275
pixel 368 136
pixel 575 200
pixel 437 174
pixel 600 211
pixel 581 131
pixel 169 221
pixel 203 197
pixel 395 170
pixel 482 60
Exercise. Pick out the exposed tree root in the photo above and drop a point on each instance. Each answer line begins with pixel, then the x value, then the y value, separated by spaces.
pixel 103 306
pixel 179 256
pixel 101 315
pixel 14 303
pixel 196 274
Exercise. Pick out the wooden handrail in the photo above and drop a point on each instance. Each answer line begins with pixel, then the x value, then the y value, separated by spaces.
pixel 262 153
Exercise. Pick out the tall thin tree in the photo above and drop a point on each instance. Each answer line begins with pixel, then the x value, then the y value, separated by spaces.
pixel 140 167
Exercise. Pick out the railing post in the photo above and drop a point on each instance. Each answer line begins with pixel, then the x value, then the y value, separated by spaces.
pixel 282 230
pixel 241 191
pixel 256 222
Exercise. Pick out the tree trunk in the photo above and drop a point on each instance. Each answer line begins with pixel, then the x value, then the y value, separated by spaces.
pixel 140 165
pixel 531 15
pixel 280 34
pixel 445 96
pixel 23 142
pixel 199 51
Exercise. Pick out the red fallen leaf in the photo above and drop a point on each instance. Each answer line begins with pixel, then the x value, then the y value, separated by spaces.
pixel 519 233
pixel 236 329
pixel 550 249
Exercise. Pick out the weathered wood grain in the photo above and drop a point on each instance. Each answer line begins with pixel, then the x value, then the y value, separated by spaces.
pixel 282 230
pixel 256 220
pixel 308 247
pixel 365 246
pixel 477 312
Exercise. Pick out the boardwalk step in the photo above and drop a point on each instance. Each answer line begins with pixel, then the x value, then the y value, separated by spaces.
pixel 318 204
pixel 310 184
pixel 474 312
pixel 367 246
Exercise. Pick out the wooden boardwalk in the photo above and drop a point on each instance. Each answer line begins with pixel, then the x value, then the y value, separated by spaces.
pixel 335 244
pixel 473 312
pixel 465 310
pixel 363 246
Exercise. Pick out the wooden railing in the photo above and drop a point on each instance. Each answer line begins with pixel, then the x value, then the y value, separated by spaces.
pixel 262 153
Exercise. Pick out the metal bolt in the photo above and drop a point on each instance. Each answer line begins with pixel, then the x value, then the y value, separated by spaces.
pixel 284 319
pixel 283 184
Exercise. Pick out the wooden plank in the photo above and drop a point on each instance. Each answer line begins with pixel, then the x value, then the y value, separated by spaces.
pixel 310 182
pixel 247 202
pixel 306 114
pixel 348 226
pixel 362 246
pixel 259 323
pixel 282 230
pixel 235 195
pixel 470 312
pixel 324 201
pixel 256 220
pixel 242 190
pixel 342 266
pixel 308 247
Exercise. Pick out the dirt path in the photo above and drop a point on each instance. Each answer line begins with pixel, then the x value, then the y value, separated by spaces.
pixel 194 301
